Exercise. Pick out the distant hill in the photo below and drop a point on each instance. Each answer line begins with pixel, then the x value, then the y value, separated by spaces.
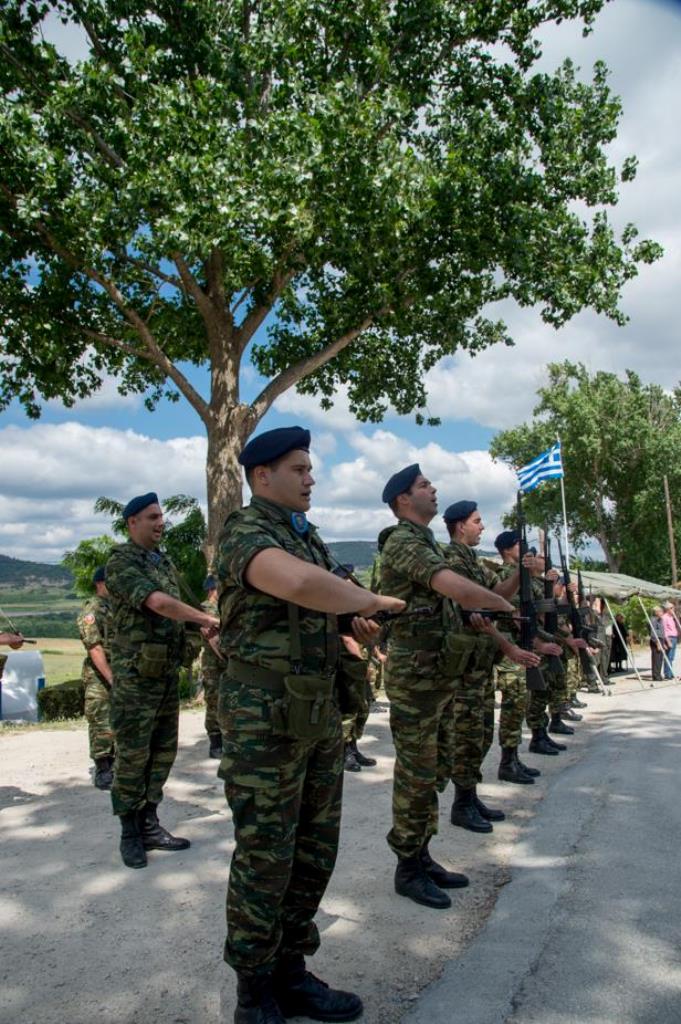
pixel 359 553
pixel 16 573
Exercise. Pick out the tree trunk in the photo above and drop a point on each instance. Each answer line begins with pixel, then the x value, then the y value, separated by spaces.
pixel 228 426
pixel 612 560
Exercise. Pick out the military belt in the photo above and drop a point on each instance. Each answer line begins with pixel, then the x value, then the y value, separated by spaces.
pixel 255 675
pixel 418 643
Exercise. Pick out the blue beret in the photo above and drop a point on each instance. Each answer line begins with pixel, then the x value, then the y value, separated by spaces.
pixel 99 574
pixel 400 482
pixel 136 505
pixel 507 539
pixel 210 583
pixel 273 444
pixel 459 510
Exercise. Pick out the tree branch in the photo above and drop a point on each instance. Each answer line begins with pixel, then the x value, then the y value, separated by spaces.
pixel 256 317
pixel 103 147
pixel 156 353
pixel 149 268
pixel 107 339
pixel 304 367
pixel 191 285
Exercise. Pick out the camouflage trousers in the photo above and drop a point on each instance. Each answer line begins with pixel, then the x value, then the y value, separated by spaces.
pixel 144 718
pixel 285 798
pixel 553 698
pixel 421 763
pixel 211 686
pixel 511 681
pixel 353 725
pixel 97 713
pixel 469 730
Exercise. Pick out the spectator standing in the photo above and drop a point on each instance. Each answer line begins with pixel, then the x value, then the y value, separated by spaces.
pixel 658 644
pixel 671 635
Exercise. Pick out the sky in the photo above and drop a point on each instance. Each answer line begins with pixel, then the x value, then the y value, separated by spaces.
pixel 55 468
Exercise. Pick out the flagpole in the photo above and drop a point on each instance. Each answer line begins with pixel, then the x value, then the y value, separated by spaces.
pixel 562 494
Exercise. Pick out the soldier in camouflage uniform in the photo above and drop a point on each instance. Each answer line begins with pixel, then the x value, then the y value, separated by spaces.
pixel 473 709
pixel 422 667
pixel 517 702
pixel 211 667
pixel 94 626
pixel 281 725
pixel 146 651
pixel 354 721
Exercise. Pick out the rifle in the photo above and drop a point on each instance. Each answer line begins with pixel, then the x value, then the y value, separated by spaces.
pixel 528 613
pixel 576 623
pixel 551 614
pixel 487 613
pixel 14 629
pixel 382 618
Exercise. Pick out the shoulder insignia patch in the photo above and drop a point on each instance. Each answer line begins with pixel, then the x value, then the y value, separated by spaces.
pixel 88 619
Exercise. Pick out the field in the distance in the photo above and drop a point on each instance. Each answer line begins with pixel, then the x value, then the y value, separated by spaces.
pixel 62 658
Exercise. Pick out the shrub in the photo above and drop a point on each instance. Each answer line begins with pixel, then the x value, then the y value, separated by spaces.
pixel 65 700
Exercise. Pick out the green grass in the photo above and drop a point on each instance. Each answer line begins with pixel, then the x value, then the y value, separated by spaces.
pixel 62 658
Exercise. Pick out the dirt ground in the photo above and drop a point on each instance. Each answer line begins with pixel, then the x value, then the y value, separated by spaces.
pixel 86 939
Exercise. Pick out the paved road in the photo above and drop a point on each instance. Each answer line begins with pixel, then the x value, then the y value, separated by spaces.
pixel 589 929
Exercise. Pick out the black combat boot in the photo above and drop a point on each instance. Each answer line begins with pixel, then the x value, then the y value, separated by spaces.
pixel 572 716
pixel 534 772
pixel 554 743
pixel 412 881
pixel 360 758
pixel 215 748
pixel 558 726
pixel 488 813
pixel 155 836
pixel 465 812
pixel 541 744
pixel 132 847
pixel 436 873
pixel 510 769
pixel 577 703
pixel 103 772
pixel 255 1000
pixel 350 762
pixel 298 993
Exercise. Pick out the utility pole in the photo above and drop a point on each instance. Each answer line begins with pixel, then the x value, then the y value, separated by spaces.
pixel 670 526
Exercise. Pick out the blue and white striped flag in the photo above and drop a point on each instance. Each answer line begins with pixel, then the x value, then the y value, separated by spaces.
pixel 547 466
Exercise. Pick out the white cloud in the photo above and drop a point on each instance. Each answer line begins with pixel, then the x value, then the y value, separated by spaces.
pixel 106 397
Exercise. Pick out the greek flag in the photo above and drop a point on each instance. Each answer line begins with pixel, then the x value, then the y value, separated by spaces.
pixel 547 466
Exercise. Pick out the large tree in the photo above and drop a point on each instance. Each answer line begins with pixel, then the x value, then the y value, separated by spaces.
pixel 619 438
pixel 367 177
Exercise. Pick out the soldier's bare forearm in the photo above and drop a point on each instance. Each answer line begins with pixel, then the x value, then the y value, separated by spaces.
pixel 508 587
pixel 170 608
pixel 467 593
pixel 281 575
pixel 98 659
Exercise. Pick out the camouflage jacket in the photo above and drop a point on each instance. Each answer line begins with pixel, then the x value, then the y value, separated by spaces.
pixel 254 627
pixel 132 574
pixel 410 557
pixel 95 625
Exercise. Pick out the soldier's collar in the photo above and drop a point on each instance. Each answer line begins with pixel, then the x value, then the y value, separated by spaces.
pixel 296 521
pixel 418 528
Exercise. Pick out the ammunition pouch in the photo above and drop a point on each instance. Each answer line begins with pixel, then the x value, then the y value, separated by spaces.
pixel 486 652
pixel 153 660
pixel 457 654
pixel 302 713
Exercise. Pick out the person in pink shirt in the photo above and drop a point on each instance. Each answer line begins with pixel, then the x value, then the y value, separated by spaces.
pixel 671 635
